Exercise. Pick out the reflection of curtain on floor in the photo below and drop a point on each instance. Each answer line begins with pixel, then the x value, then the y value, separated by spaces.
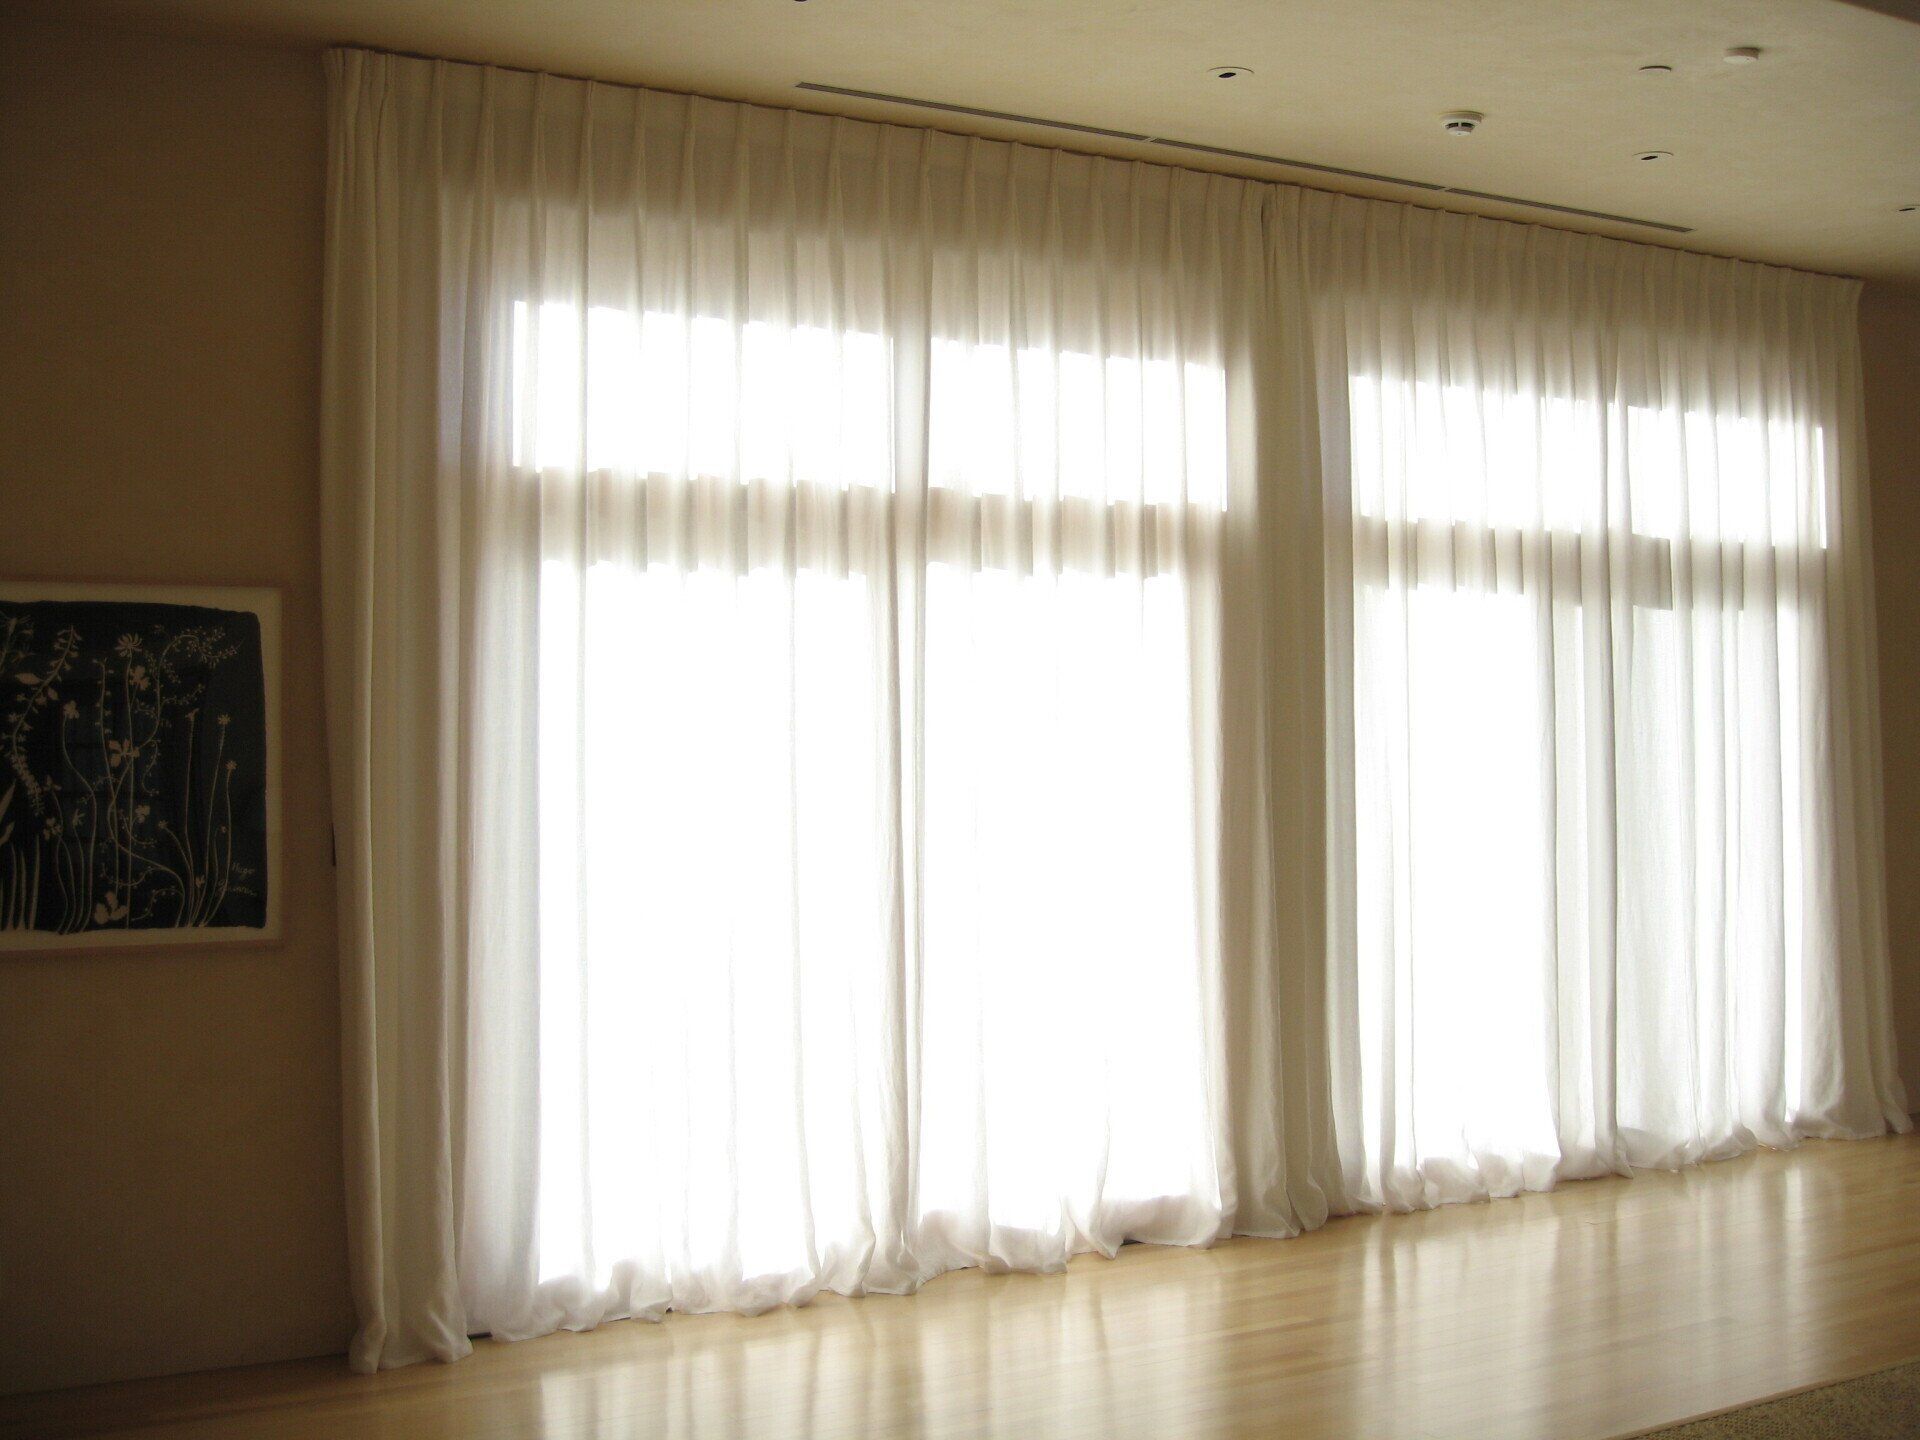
pixel 903 702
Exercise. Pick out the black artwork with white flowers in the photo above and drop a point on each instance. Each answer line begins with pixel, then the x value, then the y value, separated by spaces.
pixel 133 767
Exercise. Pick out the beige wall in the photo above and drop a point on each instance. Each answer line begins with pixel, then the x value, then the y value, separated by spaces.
pixel 1890 353
pixel 170 1192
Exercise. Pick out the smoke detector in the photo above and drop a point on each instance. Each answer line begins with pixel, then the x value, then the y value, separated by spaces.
pixel 1461 122
pixel 1229 72
pixel 1743 55
pixel 1653 156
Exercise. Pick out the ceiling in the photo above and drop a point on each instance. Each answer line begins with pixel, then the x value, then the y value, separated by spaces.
pixel 1802 158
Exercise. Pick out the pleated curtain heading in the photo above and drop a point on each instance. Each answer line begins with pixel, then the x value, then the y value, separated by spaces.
pixel 901 702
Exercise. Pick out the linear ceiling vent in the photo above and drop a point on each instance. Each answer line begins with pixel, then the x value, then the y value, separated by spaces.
pixel 970 110
pixel 1254 156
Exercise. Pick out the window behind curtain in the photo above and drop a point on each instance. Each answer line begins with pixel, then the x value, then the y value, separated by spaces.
pixel 754 676
pixel 768 779
pixel 1582 673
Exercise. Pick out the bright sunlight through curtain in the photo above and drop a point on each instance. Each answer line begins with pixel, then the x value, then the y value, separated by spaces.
pixel 1609 756
pixel 902 702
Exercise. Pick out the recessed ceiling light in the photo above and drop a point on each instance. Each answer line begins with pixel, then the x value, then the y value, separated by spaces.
pixel 1461 122
pixel 1654 155
pixel 1743 55
pixel 1229 72
pixel 1656 69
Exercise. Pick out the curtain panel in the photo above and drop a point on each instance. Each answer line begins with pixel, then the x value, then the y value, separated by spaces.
pixel 900 702
pixel 1605 729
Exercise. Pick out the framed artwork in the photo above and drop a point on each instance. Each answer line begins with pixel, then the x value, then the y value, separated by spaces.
pixel 139 765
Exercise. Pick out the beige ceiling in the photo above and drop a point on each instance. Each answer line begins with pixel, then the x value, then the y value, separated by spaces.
pixel 1803 158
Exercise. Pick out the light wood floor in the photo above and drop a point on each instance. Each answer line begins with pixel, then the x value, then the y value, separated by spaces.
pixel 1599 1310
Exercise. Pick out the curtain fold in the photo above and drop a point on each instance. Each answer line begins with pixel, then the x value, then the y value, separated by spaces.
pixel 900 702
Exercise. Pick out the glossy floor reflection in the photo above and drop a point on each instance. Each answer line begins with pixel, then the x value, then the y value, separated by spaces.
pixel 1598 1310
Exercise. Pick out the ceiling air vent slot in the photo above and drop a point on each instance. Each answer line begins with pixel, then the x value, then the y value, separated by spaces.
pixel 947 109
pixel 1254 156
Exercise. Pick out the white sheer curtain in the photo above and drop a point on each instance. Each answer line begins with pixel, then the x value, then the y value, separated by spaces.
pixel 867 739
pixel 776 573
pixel 1612 815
